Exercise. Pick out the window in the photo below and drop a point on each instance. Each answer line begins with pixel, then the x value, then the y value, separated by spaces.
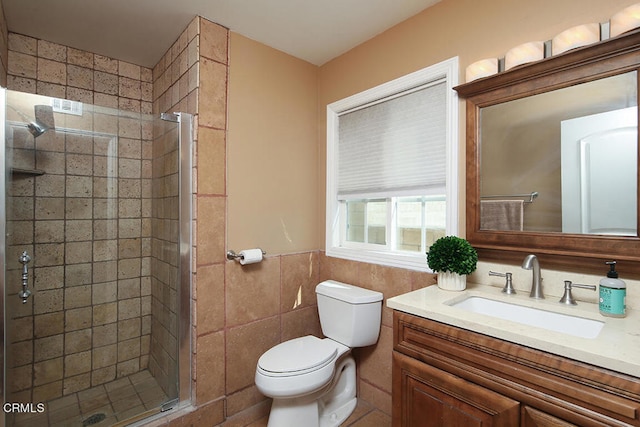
pixel 392 169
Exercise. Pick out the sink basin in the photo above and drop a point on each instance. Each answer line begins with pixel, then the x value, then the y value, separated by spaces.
pixel 558 322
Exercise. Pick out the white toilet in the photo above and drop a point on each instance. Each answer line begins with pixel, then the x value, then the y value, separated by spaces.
pixel 313 381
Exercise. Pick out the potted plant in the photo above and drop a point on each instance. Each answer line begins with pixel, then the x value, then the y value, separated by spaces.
pixel 453 258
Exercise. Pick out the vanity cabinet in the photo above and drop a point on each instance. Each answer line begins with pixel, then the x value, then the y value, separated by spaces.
pixel 447 376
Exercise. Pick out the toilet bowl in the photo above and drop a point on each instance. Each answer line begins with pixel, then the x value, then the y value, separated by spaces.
pixel 313 381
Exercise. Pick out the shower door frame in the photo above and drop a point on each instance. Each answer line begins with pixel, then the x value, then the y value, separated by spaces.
pixel 3 244
pixel 185 220
pixel 184 301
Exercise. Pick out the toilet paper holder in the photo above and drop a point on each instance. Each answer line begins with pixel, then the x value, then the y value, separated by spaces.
pixel 233 256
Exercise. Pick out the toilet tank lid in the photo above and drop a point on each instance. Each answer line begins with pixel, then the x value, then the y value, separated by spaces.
pixel 348 293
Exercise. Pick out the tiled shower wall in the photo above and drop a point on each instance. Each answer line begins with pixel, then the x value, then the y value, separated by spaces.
pixel 4 51
pixel 175 89
pixel 89 321
pixel 50 69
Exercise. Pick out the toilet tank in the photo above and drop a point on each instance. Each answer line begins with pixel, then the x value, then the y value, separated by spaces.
pixel 349 314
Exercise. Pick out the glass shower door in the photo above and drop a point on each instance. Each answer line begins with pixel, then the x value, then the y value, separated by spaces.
pixel 92 263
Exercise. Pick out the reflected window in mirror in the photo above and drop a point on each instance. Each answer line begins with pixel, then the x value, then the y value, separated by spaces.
pixel 574 149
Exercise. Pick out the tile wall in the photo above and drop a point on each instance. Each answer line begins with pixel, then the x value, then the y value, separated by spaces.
pixel 175 89
pixel 4 51
pixel 191 78
pixel 86 222
pixel 239 312
pixel 50 69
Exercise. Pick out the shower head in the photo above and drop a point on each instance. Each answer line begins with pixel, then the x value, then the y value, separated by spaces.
pixel 43 122
pixel 36 129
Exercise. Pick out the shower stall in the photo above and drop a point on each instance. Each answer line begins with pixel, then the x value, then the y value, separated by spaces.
pixel 96 229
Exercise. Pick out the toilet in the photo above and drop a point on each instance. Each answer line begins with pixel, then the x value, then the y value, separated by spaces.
pixel 313 381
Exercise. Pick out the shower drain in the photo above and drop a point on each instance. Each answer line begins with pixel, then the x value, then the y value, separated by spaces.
pixel 93 419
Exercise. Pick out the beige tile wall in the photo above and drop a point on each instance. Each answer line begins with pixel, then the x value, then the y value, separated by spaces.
pixel 181 77
pixel 175 89
pixel 91 309
pixel 4 51
pixel 240 312
pixel 50 69
pixel 272 302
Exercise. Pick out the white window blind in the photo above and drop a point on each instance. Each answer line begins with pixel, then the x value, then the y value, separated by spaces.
pixel 395 146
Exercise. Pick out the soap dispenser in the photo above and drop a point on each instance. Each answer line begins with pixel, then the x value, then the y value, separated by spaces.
pixel 613 293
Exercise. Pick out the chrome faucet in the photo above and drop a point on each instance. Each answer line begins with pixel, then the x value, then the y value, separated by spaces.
pixel 531 263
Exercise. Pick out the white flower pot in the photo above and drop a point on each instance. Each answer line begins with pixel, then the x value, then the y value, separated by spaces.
pixel 452 281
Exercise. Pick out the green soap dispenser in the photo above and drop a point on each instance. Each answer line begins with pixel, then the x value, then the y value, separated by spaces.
pixel 613 293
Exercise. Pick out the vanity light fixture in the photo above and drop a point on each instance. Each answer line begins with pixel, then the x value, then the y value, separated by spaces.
pixel 524 53
pixel 581 35
pixel 482 68
pixel 578 36
pixel 625 20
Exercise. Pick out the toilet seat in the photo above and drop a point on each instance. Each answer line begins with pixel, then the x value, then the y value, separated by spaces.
pixel 298 367
pixel 298 356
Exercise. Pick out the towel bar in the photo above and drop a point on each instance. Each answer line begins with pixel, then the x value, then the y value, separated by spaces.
pixel 531 196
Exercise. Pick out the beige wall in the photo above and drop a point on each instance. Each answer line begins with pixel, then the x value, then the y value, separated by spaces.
pixel 272 169
pixel 469 29
pixel 276 191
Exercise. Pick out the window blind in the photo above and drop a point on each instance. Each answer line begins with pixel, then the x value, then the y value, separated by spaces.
pixel 396 146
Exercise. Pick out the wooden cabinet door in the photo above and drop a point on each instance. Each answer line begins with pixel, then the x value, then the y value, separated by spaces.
pixel 424 396
pixel 533 418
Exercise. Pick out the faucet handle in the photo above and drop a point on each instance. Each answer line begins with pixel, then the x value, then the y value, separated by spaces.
pixel 567 298
pixel 508 286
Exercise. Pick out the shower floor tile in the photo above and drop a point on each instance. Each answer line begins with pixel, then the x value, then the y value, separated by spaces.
pixel 103 405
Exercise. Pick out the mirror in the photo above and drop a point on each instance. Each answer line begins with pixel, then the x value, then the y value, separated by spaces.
pixel 540 138
pixel 562 161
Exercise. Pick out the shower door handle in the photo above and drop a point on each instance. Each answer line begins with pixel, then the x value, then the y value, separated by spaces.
pixel 25 292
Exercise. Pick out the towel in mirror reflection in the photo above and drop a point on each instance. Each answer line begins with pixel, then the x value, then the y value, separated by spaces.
pixel 503 215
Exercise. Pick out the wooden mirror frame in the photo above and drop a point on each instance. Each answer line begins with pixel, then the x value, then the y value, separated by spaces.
pixel 564 251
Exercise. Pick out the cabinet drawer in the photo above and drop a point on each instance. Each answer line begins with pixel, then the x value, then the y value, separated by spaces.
pixel 533 418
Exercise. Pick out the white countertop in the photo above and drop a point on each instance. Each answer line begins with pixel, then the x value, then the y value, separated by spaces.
pixel 617 346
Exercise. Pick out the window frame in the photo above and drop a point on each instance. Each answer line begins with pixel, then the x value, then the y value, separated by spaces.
pixel 446 70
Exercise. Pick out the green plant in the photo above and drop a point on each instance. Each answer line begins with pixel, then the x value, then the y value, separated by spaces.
pixel 454 254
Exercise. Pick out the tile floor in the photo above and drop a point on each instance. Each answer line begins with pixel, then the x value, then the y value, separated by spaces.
pixel 102 406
